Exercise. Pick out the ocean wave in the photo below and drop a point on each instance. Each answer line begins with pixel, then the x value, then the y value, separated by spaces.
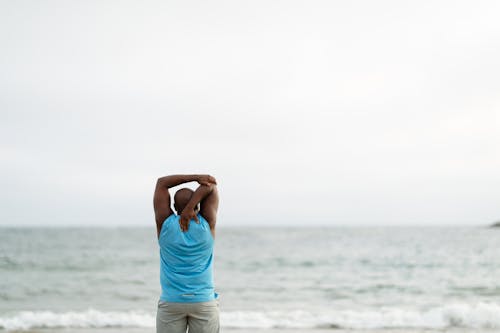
pixel 478 316
pixel 85 319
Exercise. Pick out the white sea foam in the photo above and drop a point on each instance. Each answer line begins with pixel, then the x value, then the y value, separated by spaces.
pixel 479 316
pixel 85 319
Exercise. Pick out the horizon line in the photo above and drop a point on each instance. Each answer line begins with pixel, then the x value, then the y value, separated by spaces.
pixel 125 226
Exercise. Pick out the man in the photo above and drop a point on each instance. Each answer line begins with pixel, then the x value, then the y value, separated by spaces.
pixel 186 243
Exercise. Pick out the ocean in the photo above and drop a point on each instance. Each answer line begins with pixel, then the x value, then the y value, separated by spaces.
pixel 370 279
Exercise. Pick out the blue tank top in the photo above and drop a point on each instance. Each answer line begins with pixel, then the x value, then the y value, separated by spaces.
pixel 186 261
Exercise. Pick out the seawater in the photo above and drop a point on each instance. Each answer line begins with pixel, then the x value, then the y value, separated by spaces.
pixel 351 278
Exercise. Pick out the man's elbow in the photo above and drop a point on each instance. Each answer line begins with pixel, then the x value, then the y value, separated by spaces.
pixel 160 182
pixel 212 187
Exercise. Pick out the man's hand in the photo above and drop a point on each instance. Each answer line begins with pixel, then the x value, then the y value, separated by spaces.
pixel 186 216
pixel 206 180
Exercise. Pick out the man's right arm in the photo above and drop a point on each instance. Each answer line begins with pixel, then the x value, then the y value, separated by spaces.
pixel 208 197
pixel 209 207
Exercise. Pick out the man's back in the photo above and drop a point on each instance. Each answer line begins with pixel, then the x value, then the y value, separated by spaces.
pixel 188 299
pixel 186 261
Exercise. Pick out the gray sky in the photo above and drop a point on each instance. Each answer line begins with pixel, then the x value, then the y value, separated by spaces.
pixel 307 112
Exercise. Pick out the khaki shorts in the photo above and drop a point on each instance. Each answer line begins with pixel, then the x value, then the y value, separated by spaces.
pixel 201 317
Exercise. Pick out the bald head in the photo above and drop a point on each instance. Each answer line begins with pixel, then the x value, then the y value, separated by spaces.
pixel 181 198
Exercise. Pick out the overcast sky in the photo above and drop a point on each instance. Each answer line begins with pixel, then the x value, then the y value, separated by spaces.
pixel 307 112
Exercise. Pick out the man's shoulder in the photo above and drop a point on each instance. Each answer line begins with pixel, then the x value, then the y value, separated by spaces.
pixel 171 218
pixel 201 218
